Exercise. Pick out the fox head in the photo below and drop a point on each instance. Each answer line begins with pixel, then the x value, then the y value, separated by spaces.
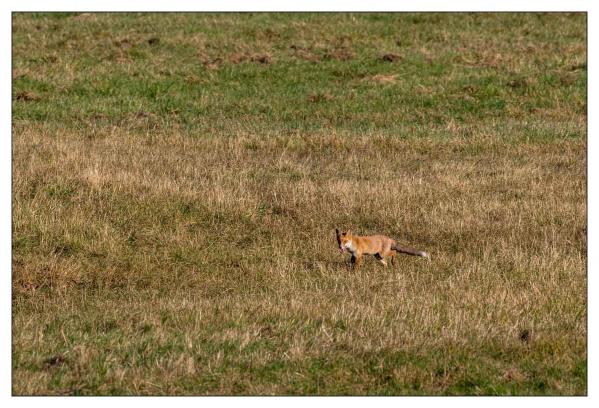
pixel 343 239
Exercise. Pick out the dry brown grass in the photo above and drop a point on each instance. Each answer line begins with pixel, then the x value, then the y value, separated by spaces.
pixel 231 239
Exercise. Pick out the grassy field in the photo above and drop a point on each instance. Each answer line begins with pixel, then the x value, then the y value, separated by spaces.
pixel 177 179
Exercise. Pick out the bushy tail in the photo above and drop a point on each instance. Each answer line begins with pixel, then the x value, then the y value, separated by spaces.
pixel 409 251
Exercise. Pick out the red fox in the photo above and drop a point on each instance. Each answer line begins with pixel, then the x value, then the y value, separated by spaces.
pixel 378 245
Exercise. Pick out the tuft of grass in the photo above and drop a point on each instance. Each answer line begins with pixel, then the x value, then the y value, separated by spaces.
pixel 177 179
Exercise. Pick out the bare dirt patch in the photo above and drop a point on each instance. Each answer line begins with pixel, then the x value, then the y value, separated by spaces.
pixel 391 57
pixel 27 96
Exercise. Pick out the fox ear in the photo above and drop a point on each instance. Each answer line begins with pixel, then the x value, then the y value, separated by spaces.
pixel 349 232
pixel 337 231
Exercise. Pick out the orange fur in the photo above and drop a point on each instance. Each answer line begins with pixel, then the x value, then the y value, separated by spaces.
pixel 380 246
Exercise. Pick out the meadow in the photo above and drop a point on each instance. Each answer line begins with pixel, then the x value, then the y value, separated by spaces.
pixel 177 180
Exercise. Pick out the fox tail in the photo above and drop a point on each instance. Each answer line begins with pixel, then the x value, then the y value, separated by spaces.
pixel 409 251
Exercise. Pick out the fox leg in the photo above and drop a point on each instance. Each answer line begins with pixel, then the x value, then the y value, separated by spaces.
pixel 388 253
pixel 392 256
pixel 356 260
pixel 381 259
